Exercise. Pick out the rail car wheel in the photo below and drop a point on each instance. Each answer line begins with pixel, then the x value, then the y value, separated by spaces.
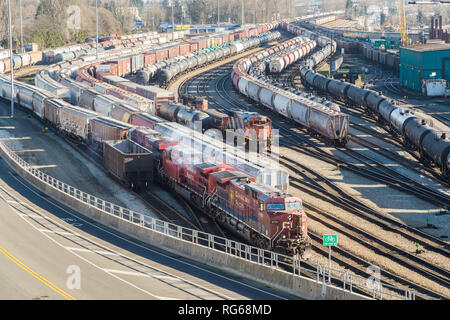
pixel 221 218
pixel 263 243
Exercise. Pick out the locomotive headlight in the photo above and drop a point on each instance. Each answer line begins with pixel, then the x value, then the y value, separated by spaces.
pixel 289 217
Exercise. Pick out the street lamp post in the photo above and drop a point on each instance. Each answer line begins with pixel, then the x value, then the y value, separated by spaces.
pixel 173 23
pixel 254 19
pixel 21 27
pixel 96 26
pixel 11 59
pixel 243 12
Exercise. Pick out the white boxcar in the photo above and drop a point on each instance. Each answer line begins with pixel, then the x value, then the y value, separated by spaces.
pixel 25 96
pixel 253 90
pixel 43 81
pixel 243 85
pixel 6 91
pixel 103 105
pixel 331 124
pixel 282 103
pixel 299 111
pixel 75 120
pixel 265 97
pixel 39 98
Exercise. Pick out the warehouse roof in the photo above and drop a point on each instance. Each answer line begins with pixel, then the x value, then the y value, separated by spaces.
pixel 429 47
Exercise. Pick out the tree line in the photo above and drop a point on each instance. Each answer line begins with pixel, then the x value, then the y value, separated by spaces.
pixel 46 21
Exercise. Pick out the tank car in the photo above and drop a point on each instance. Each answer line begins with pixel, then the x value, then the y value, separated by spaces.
pixel 436 147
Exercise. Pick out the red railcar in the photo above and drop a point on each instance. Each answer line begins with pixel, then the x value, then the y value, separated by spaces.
pixel 174 51
pixel 161 54
pixel 185 49
pixel 145 120
pixel 151 140
pixel 149 58
pixel 267 217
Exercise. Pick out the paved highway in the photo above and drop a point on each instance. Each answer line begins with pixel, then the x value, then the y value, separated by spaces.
pixel 48 251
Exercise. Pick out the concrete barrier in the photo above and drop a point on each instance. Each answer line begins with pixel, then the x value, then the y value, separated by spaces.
pixel 294 284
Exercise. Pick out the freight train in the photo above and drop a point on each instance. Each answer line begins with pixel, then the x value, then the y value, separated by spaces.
pixel 281 61
pixel 202 58
pixel 72 52
pixel 19 60
pixel 432 144
pixel 252 126
pixel 319 119
pixel 265 216
pixel 364 48
pixel 255 127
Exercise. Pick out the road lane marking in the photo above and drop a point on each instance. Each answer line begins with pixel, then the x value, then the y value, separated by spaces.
pixel 35 274
pixel 33 216
pixel 43 231
pixel 106 253
pixel 63 233
pixel 142 274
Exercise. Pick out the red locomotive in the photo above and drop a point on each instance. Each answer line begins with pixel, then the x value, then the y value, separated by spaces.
pixel 266 217
pixel 253 126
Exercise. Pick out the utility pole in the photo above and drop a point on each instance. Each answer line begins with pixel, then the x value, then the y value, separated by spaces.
pixel 218 13
pixel 243 20
pixel 21 27
pixel 254 16
pixel 11 59
pixel 96 26
pixel 173 23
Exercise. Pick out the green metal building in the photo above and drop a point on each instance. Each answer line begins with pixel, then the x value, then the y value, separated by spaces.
pixel 424 61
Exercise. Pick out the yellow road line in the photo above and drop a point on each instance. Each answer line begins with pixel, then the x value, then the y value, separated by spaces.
pixel 35 274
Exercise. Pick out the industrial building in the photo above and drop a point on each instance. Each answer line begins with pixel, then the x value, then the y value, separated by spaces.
pixel 425 65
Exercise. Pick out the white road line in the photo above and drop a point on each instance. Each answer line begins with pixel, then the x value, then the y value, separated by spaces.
pixel 142 274
pixel 34 216
pixel 79 216
pixel 90 262
pixel 63 233
pixel 92 251
pixel 173 277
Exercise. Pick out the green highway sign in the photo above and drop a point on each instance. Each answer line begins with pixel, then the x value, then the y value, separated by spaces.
pixel 330 239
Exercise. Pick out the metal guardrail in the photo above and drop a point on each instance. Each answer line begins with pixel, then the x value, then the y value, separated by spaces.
pixel 316 272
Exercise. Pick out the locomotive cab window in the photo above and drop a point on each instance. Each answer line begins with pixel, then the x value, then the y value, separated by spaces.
pixel 261 206
pixel 293 205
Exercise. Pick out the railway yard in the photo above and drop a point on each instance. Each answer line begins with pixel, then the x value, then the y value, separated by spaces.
pixel 341 159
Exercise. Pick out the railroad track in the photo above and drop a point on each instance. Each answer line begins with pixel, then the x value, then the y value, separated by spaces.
pixel 200 86
pixel 158 205
pixel 419 168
